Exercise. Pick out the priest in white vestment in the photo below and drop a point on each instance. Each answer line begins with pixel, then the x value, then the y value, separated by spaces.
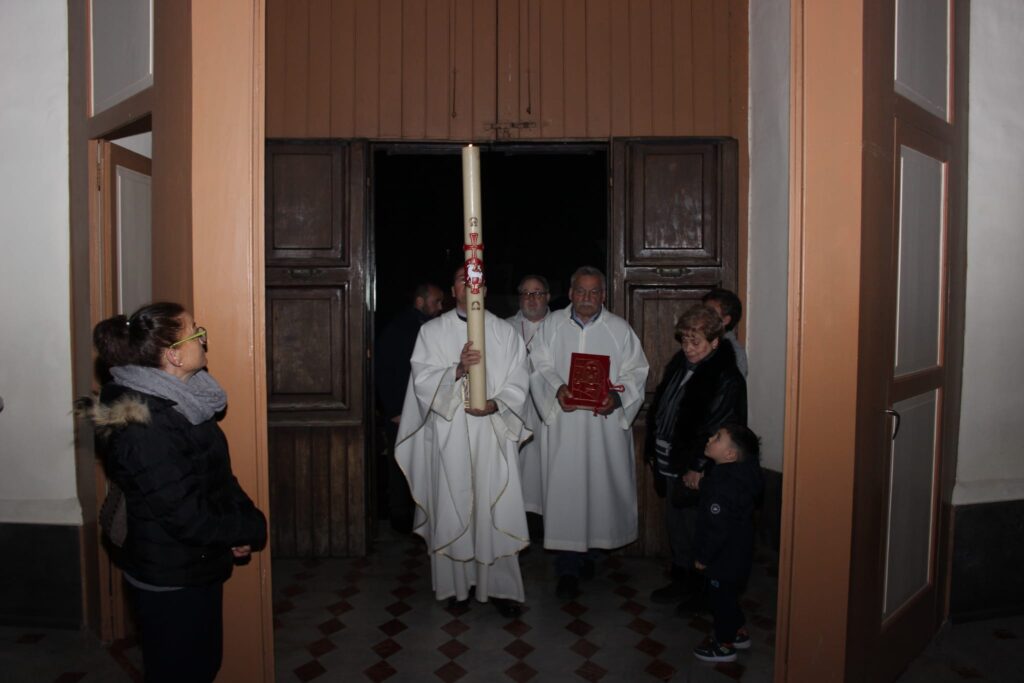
pixel 534 295
pixel 589 478
pixel 461 463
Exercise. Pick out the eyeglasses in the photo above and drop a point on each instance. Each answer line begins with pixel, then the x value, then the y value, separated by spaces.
pixel 533 295
pixel 200 334
pixel 587 293
pixel 692 340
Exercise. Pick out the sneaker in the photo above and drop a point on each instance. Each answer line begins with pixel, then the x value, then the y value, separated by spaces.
pixel 713 651
pixel 742 640
pixel 568 587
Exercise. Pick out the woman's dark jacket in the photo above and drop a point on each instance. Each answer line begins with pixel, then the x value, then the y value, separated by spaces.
pixel 715 395
pixel 185 507
pixel 724 540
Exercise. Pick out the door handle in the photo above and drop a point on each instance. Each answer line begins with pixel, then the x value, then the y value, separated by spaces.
pixel 304 273
pixel 672 272
pixel 896 416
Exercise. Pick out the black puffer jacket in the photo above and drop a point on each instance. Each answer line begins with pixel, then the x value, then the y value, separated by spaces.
pixel 715 395
pixel 724 541
pixel 185 507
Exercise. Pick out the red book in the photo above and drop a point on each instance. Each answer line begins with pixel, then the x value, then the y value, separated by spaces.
pixel 588 380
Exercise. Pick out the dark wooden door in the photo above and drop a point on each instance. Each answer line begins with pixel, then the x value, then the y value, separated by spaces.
pixel 315 292
pixel 911 332
pixel 673 238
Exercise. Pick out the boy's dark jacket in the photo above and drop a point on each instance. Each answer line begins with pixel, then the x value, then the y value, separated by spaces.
pixel 724 540
pixel 715 395
pixel 185 507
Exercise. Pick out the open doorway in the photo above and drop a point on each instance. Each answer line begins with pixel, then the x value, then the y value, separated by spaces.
pixel 545 211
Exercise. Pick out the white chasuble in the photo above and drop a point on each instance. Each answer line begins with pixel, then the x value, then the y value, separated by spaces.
pixel 529 452
pixel 587 462
pixel 462 469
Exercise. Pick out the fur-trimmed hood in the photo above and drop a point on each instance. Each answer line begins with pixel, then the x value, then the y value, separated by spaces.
pixel 128 408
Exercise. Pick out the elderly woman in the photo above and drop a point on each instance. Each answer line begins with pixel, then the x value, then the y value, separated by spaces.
pixel 700 390
pixel 188 520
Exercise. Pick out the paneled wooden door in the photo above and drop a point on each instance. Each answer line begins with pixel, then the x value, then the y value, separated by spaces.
pixel 673 238
pixel 121 280
pixel 911 330
pixel 315 293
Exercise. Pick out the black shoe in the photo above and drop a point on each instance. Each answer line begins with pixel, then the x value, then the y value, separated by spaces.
pixel 568 587
pixel 588 569
pixel 668 594
pixel 457 605
pixel 510 609
pixel 697 603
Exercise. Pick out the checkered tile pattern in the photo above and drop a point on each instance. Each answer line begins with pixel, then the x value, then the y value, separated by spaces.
pixel 375 619
pixel 387 626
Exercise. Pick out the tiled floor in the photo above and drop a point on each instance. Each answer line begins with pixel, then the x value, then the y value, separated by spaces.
pixel 375 619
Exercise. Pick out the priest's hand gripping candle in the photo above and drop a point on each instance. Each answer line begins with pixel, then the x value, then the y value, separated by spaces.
pixel 474 249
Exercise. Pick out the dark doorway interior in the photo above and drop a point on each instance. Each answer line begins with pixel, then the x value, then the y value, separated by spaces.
pixel 545 211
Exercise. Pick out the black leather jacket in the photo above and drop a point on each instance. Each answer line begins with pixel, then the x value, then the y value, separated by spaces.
pixel 715 395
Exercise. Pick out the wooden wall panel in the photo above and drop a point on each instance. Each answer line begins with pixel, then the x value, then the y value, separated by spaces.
pixel 506 69
pixel 599 64
pixel 316 491
pixel 367 67
pixel 318 113
pixel 343 66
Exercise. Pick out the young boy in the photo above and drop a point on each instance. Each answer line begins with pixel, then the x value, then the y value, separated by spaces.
pixel 730 309
pixel 724 544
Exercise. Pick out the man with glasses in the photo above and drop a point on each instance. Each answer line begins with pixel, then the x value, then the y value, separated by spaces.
pixel 589 479
pixel 534 295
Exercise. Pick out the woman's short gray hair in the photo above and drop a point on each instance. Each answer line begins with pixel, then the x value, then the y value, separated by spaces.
pixel 700 319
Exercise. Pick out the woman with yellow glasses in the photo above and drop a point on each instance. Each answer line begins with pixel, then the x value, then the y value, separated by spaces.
pixel 188 520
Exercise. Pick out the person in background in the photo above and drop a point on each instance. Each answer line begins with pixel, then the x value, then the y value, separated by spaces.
pixel 391 376
pixel 461 462
pixel 188 520
pixel 730 309
pixel 587 465
pixel 534 294
pixel 700 390
pixel 724 546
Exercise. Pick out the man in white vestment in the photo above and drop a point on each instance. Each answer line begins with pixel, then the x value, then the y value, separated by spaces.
pixel 589 479
pixel 534 294
pixel 461 463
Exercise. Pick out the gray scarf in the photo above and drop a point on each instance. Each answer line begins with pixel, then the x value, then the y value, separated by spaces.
pixel 198 399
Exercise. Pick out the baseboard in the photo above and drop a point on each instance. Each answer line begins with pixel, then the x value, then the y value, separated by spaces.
pixel 988 553
pixel 40 576
pixel 769 518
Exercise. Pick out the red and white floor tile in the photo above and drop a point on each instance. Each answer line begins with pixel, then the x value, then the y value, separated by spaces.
pixel 376 619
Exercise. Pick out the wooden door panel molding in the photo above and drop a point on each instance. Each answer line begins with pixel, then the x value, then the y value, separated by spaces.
pixel 306 204
pixel 315 321
pixel 307 330
pixel 661 262
pixel 673 212
pixel 317 491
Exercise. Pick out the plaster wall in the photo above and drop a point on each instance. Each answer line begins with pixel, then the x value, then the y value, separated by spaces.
pixel 767 269
pixel 989 466
pixel 36 429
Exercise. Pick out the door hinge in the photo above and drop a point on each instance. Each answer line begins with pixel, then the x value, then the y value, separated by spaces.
pixel 99 173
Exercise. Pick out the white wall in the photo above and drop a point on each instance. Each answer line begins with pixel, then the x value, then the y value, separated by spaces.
pixel 767 270
pixel 37 466
pixel 990 465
